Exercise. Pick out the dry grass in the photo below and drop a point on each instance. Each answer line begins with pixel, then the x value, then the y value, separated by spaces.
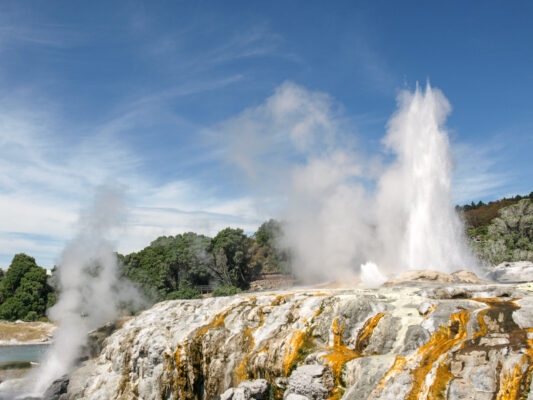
pixel 12 374
pixel 25 332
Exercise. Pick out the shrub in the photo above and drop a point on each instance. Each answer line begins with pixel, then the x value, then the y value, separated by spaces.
pixel 186 291
pixel 31 316
pixel 226 290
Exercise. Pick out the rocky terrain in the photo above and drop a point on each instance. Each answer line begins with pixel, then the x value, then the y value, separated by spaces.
pixel 427 337
pixel 509 236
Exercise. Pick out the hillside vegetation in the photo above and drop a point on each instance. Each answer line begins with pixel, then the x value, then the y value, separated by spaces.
pixel 501 230
pixel 480 214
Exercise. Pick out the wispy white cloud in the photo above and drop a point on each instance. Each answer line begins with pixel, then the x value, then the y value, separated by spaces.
pixel 217 46
pixel 476 173
pixel 47 175
pixel 18 27
pixel 255 41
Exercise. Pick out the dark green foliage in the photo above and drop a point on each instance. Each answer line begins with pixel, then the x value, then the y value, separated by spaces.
pixel 31 316
pixel 172 266
pixel 226 290
pixel 231 258
pixel 160 267
pixel 185 291
pixel 268 232
pixel 51 299
pixel 25 290
pixel 267 254
pixel 20 264
pixel 12 309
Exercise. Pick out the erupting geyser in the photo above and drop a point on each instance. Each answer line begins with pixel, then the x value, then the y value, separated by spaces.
pixel 297 142
pixel 417 224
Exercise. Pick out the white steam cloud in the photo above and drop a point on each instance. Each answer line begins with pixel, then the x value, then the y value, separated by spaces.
pixel 90 290
pixel 298 151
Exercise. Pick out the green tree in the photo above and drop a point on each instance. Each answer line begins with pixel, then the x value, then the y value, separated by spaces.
pixel 268 232
pixel 27 292
pixel 267 254
pixel 20 264
pixel 185 291
pixel 169 262
pixel 231 257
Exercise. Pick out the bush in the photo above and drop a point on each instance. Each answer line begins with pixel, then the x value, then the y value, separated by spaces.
pixel 31 316
pixel 12 309
pixel 24 290
pixel 226 290
pixel 185 292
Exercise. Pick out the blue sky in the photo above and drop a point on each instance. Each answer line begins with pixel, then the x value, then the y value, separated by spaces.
pixel 149 94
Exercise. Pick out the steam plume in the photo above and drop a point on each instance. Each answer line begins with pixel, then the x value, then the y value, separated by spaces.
pixel 91 291
pixel 296 146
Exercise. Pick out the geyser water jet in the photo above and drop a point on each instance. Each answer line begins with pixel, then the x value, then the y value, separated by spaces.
pixel 416 221
pixel 371 276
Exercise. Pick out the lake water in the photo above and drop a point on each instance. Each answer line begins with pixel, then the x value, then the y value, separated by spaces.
pixel 12 354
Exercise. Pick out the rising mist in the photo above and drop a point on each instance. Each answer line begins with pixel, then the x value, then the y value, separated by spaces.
pixel 342 208
pixel 91 292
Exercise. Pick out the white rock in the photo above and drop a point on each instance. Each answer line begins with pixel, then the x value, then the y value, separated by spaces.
pixel 513 272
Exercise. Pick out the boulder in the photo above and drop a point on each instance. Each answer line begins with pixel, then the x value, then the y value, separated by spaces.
pixel 96 337
pixel 294 396
pixel 57 388
pixel 311 381
pixel 415 337
pixel 513 272
pixel 465 276
pixel 426 276
pixel 434 277
pixel 363 374
pixel 248 390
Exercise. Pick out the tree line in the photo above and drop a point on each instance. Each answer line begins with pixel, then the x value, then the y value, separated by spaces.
pixel 171 267
pixel 506 201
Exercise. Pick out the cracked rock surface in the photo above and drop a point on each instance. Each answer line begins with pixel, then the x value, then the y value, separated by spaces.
pixel 426 340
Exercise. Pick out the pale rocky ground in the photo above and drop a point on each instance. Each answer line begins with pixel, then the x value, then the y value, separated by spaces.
pixel 427 337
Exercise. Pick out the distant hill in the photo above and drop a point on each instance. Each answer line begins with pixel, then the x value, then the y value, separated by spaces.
pixel 481 214
pixel 501 230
